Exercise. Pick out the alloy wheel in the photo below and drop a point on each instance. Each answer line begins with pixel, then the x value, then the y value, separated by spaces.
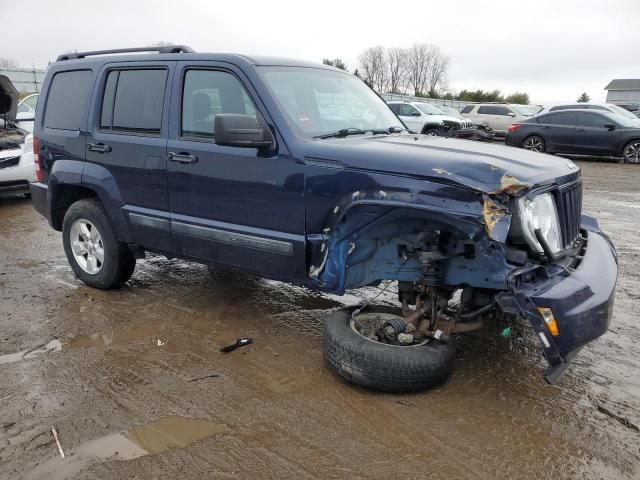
pixel 632 153
pixel 535 144
pixel 87 246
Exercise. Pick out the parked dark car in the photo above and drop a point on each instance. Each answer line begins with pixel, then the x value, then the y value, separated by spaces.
pixel 300 172
pixel 579 132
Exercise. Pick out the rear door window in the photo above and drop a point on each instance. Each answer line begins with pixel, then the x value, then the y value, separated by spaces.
pixel 133 101
pixel 68 99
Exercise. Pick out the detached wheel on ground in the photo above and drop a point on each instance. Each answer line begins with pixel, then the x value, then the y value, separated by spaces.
pixel 383 367
pixel 93 252
pixel 534 143
pixel 631 152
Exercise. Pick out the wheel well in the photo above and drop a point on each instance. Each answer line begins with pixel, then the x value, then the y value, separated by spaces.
pixel 625 144
pixel 65 197
pixel 430 126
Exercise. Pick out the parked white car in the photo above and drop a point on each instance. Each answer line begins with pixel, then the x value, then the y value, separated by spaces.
pixel 603 107
pixel 498 116
pixel 421 117
pixel 17 166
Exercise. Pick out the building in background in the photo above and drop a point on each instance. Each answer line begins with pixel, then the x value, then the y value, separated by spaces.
pixel 26 80
pixel 623 91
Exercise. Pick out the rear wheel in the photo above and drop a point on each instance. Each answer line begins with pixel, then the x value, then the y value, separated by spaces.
pixel 534 143
pixel 631 152
pixel 379 366
pixel 94 254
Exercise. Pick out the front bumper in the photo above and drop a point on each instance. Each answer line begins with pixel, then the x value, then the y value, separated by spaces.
pixel 581 298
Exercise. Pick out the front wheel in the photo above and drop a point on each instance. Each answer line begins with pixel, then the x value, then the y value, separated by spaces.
pixel 534 143
pixel 432 132
pixel 379 366
pixel 94 254
pixel 631 152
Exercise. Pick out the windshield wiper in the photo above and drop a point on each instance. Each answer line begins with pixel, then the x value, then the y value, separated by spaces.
pixel 344 132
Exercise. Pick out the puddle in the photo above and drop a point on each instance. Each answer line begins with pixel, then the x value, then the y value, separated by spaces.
pixel 154 437
pixel 102 339
pixel 52 346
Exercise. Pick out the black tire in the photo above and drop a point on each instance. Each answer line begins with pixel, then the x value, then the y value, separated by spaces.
pixel 119 262
pixel 386 368
pixel 433 131
pixel 535 139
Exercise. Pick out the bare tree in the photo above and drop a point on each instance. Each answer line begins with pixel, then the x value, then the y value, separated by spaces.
pixel 418 61
pixel 373 66
pixel 397 64
pixel 8 62
pixel 437 69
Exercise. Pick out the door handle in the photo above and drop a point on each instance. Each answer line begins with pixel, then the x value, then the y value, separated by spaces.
pixel 181 157
pixel 580 130
pixel 98 147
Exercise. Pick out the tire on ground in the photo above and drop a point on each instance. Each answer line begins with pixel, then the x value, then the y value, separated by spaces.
pixel 382 367
pixel 119 260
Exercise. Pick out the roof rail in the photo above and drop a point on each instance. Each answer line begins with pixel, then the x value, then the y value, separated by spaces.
pixel 167 49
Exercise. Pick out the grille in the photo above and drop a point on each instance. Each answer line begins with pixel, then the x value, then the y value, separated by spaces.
pixel 9 162
pixel 569 203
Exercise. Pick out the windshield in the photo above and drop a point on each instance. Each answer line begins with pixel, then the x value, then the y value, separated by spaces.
pixel 428 108
pixel 622 112
pixel 524 110
pixel 318 102
pixel 633 122
pixel 449 110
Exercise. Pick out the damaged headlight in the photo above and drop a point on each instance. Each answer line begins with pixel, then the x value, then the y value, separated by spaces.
pixel 540 213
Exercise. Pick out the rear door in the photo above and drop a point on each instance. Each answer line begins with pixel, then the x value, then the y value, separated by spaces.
pixel 236 206
pixel 592 137
pixel 558 131
pixel 128 138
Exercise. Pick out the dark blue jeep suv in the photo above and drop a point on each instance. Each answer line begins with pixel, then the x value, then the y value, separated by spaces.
pixel 301 173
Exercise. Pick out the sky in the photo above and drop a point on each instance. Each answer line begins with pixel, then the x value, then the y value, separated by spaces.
pixel 553 50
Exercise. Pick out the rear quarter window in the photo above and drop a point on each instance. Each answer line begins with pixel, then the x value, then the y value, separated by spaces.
pixel 467 109
pixel 68 99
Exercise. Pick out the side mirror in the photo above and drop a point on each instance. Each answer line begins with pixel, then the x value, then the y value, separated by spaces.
pixel 610 126
pixel 238 130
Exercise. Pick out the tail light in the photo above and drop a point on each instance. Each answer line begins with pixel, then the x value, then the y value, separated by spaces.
pixel 37 161
pixel 513 128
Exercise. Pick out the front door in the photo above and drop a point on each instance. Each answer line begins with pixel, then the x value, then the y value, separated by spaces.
pixel 411 117
pixel 128 138
pixel 592 137
pixel 231 205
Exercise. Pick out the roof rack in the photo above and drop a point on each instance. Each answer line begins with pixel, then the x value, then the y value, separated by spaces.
pixel 167 49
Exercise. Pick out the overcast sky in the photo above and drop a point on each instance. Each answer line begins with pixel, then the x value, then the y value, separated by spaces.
pixel 554 50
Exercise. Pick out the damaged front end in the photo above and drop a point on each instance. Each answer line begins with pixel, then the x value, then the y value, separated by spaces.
pixel 473 241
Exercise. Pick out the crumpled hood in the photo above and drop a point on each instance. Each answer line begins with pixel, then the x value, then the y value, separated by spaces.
pixel 488 168
pixel 8 99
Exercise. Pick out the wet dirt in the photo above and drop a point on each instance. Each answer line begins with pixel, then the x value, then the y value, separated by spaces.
pixel 133 358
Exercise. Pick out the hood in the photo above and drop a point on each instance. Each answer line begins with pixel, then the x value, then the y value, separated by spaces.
pixel 440 118
pixel 479 166
pixel 8 99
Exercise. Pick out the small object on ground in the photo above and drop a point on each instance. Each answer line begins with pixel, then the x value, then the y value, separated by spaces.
pixel 239 343
pixel 213 375
pixel 55 436
pixel 506 333
pixel 622 420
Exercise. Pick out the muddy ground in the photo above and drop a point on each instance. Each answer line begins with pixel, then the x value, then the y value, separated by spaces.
pixel 135 385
